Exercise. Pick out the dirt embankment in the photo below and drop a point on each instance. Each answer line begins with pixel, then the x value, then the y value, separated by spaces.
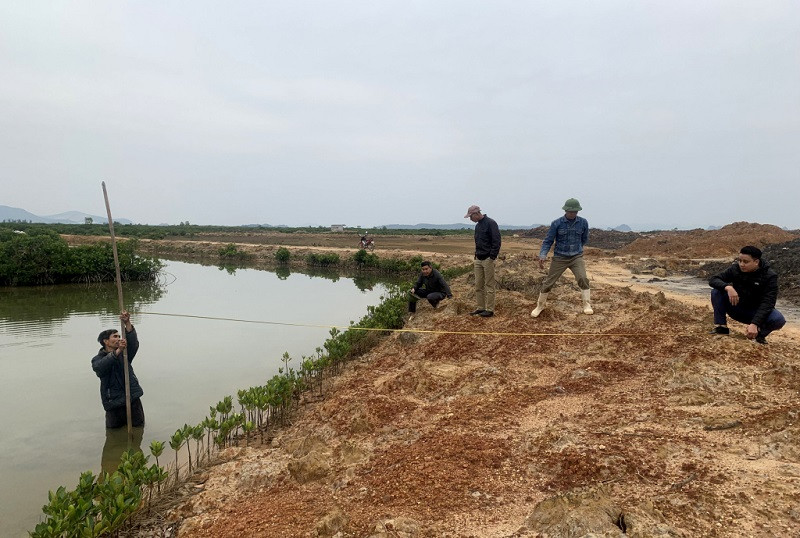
pixel 722 243
pixel 633 421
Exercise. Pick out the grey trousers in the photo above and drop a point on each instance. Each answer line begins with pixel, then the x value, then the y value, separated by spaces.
pixel 485 284
pixel 561 264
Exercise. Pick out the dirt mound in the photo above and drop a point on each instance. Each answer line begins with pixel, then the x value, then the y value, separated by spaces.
pixel 784 258
pixel 633 420
pixel 605 239
pixel 724 242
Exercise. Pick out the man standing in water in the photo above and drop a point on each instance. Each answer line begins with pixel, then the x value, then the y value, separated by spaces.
pixel 487 247
pixel 746 291
pixel 569 233
pixel 108 365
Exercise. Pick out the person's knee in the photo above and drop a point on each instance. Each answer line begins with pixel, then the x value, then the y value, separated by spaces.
pixel 778 321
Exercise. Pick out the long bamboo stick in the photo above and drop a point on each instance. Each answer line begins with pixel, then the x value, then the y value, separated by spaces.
pixel 121 309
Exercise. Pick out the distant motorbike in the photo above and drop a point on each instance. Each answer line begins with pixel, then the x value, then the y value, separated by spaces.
pixel 367 244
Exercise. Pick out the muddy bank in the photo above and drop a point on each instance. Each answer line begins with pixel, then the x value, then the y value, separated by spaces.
pixel 633 420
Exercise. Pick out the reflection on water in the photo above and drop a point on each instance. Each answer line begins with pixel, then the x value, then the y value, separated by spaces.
pixel 50 306
pixel 117 442
pixel 54 425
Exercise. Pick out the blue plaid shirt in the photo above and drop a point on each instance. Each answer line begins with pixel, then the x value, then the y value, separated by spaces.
pixel 569 236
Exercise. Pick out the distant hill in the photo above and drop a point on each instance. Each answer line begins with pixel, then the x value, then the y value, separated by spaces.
pixel 70 217
pixel 622 228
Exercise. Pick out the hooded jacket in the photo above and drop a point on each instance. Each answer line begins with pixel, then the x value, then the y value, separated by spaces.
pixel 109 369
pixel 758 290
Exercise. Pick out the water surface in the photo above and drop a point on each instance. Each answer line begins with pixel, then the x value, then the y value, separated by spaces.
pixel 50 396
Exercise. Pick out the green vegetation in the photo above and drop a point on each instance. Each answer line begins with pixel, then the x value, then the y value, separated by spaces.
pixel 103 504
pixel 184 230
pixel 282 255
pixel 322 260
pixel 40 256
pixel 232 252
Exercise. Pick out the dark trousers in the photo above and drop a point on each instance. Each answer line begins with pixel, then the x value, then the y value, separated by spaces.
pixel 433 297
pixel 118 417
pixel 722 307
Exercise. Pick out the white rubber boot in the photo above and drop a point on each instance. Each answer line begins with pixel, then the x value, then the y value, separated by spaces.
pixel 540 304
pixel 586 295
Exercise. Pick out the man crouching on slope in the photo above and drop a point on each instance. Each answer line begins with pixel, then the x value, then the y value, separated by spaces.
pixel 747 291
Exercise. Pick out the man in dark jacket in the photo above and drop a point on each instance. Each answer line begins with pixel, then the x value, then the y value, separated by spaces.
pixel 430 285
pixel 487 248
pixel 747 292
pixel 108 365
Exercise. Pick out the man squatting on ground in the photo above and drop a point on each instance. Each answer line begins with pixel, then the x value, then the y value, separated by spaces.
pixel 430 285
pixel 108 365
pixel 746 291
pixel 487 248
pixel 570 233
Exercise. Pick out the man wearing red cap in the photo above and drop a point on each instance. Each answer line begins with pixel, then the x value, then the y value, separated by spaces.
pixel 487 247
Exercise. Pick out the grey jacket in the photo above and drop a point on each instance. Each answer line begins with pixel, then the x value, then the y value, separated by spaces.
pixel 108 368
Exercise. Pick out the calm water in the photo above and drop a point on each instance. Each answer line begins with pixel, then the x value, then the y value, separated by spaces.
pixel 49 395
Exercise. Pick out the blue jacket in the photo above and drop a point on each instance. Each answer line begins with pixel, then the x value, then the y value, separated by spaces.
pixel 108 368
pixel 569 236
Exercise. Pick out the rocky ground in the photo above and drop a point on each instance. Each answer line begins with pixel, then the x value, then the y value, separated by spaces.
pixel 633 421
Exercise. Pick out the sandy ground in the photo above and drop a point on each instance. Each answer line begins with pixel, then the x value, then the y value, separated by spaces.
pixel 632 421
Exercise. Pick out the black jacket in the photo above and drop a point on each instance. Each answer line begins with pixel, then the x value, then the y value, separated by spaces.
pixel 757 290
pixel 433 282
pixel 108 368
pixel 487 239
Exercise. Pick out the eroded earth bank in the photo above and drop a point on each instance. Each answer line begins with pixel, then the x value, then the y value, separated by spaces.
pixel 630 422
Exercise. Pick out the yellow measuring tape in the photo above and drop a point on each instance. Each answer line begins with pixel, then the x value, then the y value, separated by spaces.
pixel 424 331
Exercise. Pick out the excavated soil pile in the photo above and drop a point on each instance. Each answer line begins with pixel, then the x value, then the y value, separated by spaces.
pixel 784 258
pixel 722 243
pixel 605 239
pixel 630 422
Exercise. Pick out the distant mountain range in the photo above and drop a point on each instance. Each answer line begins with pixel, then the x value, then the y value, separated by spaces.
pixel 70 217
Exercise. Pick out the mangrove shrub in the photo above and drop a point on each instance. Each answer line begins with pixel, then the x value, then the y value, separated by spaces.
pixel 43 257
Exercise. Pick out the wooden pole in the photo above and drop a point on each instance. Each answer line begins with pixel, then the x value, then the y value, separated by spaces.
pixel 121 308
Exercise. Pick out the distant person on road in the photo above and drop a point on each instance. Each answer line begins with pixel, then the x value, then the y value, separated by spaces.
pixel 746 291
pixel 487 248
pixel 108 365
pixel 569 233
pixel 430 285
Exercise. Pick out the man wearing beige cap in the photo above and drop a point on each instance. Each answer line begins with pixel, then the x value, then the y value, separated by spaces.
pixel 487 247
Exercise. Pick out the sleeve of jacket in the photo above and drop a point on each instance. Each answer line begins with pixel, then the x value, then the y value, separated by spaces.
pixel 720 280
pixel 548 240
pixel 585 234
pixel 768 300
pixel 103 362
pixel 443 284
pixel 133 344
pixel 418 284
pixel 494 229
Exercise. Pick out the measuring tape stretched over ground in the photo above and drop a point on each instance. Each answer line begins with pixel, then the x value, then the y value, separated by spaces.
pixel 422 331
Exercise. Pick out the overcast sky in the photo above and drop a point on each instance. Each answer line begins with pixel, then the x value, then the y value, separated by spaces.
pixel 653 114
